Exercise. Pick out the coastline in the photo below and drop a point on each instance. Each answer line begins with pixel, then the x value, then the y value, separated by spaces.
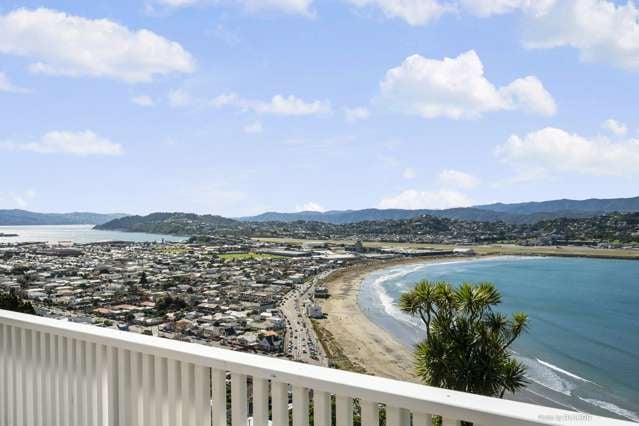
pixel 363 346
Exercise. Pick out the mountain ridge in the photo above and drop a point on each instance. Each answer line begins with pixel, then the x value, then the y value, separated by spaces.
pixel 18 217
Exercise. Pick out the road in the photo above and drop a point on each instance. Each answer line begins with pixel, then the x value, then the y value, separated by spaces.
pixel 300 340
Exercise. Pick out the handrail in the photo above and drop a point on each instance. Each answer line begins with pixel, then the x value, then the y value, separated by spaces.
pixel 413 397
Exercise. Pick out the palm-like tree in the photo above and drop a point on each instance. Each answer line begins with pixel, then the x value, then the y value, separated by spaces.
pixel 467 343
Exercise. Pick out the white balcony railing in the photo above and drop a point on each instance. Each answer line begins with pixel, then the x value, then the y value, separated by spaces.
pixel 64 374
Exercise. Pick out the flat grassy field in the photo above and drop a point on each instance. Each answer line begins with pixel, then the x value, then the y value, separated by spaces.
pixel 490 249
pixel 228 257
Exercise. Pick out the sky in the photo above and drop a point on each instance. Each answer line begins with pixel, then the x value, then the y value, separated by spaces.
pixel 237 107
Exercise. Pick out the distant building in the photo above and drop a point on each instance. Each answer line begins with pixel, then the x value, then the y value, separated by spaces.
pixel 322 293
pixel 314 310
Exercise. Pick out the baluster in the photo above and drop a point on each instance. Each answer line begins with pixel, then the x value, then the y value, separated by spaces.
pixel 20 376
pixel 203 395
pixel 175 418
pixel 422 419
pixel 4 360
pixel 343 410
pixel 397 416
pixel 300 406
pixel 279 396
pixel 322 408
pixel 260 402
pixel 149 391
pixel 238 399
pixel 187 394
pixel 161 378
pixel 370 413
pixel 219 397
pixel 124 387
pixel 136 391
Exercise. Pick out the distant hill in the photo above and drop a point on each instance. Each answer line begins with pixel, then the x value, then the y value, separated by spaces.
pixel 519 213
pixel 593 205
pixel 24 217
pixel 171 223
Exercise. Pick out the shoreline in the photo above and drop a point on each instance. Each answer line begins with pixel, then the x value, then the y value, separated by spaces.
pixel 354 342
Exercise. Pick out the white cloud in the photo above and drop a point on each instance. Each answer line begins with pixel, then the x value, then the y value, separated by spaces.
pixel 310 207
pixel 414 12
pixel 7 86
pixel 278 105
pixel 412 199
pixel 409 173
pixel 68 45
pixel 143 100
pixel 20 200
pixel 179 98
pixel 299 7
pixel 457 88
pixel 255 127
pixel 355 114
pixel 456 179
pixel 293 7
pixel 601 30
pixel 615 127
pixel 554 150
pixel 82 143
pixel 498 7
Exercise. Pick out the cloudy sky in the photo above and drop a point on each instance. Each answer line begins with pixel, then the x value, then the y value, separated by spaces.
pixel 235 107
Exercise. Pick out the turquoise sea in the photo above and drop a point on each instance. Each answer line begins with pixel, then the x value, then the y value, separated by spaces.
pixel 80 234
pixel 582 348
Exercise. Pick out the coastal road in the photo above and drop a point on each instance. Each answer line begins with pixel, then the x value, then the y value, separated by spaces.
pixel 300 340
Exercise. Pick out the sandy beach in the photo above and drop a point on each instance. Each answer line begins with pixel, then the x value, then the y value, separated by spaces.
pixel 364 346
pixel 360 340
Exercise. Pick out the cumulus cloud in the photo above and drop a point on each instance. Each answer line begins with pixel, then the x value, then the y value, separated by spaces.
pixel 143 100
pixel 352 115
pixel 20 199
pixel 615 127
pixel 456 179
pixel 82 143
pixel 497 7
pixel 601 30
pixel 310 207
pixel 62 44
pixel 299 7
pixel 255 127
pixel 7 86
pixel 277 105
pixel 412 199
pixel 179 98
pixel 457 88
pixel 414 12
pixel 553 150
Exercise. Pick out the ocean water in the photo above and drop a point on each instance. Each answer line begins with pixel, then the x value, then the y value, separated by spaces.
pixel 80 234
pixel 582 348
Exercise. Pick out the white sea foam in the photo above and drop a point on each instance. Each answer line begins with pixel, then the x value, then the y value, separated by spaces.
pixel 562 371
pixel 546 377
pixel 609 406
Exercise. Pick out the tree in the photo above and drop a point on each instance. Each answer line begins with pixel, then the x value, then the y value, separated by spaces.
pixel 467 343
pixel 11 302
pixel 143 278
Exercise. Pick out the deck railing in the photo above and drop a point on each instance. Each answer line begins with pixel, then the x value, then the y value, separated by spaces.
pixel 65 374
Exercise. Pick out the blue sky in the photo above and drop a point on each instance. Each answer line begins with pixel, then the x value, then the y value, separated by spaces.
pixel 236 107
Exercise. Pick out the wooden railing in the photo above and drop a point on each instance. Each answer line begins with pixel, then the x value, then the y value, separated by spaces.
pixel 65 374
